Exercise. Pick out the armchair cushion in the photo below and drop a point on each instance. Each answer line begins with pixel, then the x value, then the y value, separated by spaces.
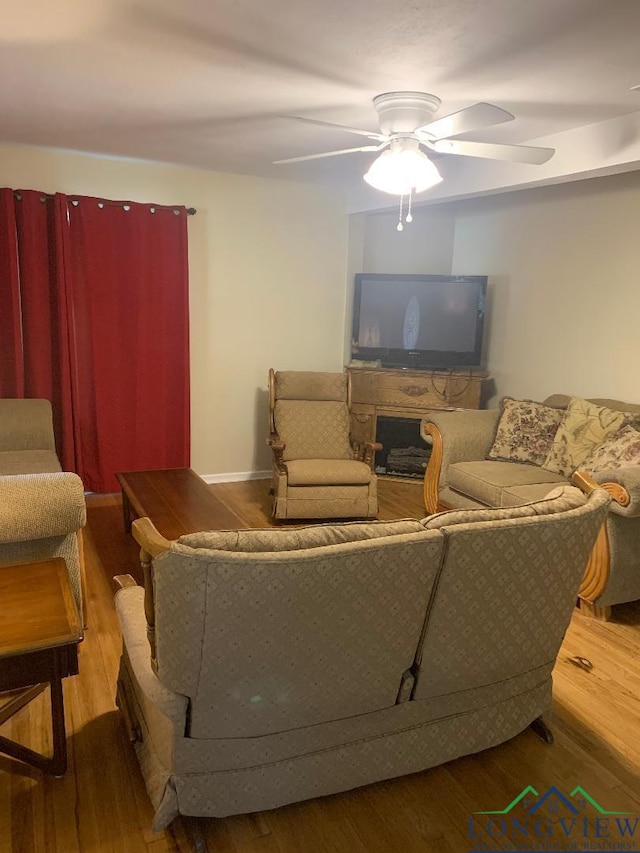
pixel 328 472
pixel 313 429
pixel 526 430
pixel 583 428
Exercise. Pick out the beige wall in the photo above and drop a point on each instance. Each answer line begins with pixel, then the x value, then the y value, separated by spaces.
pixel 423 246
pixel 376 246
pixel 267 283
pixel 564 268
pixel 563 309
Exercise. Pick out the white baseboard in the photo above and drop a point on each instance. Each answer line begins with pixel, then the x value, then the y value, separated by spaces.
pixel 236 476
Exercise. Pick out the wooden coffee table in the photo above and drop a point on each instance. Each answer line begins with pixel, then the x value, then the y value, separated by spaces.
pixel 176 500
pixel 39 635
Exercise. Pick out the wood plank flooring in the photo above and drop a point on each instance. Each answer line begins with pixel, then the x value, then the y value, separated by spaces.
pixel 101 804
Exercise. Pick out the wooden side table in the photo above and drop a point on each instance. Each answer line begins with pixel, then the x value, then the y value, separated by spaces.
pixel 39 635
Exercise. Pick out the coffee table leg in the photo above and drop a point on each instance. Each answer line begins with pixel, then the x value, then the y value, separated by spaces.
pixel 59 761
pixel 57 765
pixel 126 512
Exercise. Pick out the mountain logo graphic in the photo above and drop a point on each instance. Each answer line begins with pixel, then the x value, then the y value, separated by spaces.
pixel 553 799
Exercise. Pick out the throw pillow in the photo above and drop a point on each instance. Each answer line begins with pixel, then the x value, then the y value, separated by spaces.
pixel 525 431
pixel 619 449
pixel 583 428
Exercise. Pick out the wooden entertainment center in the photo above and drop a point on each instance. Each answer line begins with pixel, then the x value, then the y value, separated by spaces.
pixel 399 393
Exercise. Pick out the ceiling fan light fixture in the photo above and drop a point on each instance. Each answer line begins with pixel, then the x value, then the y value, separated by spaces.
pixel 404 171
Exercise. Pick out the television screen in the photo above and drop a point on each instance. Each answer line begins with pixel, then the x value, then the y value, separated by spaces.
pixel 420 321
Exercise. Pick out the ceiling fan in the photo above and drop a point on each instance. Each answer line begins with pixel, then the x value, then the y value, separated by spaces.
pixel 407 127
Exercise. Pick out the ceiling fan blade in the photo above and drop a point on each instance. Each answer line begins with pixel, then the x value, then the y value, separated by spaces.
pixel 370 134
pixel 470 118
pixel 493 150
pixel 332 153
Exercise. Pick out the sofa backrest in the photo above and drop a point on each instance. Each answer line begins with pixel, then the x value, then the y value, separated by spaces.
pixel 26 425
pixel 271 630
pixel 561 401
pixel 506 593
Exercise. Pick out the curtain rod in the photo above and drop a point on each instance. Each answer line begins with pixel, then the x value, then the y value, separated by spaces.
pixel 191 211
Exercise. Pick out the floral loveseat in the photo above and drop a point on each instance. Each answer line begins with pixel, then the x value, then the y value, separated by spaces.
pixel 519 452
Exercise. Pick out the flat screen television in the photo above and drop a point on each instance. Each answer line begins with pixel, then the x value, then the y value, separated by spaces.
pixel 422 321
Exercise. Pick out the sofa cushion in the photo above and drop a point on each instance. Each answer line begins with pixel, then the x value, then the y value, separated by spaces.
pixel 619 449
pixel 486 480
pixel 28 462
pixel 313 429
pixel 525 432
pixel 583 428
pixel 329 472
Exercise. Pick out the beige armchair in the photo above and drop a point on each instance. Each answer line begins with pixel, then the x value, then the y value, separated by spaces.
pixel 318 471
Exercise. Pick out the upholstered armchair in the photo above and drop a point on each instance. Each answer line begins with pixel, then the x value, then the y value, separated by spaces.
pixel 318 471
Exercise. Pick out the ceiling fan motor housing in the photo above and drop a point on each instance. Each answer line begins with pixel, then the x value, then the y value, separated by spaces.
pixel 403 112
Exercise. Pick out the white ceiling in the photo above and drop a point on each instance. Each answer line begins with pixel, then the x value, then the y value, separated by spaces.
pixel 206 82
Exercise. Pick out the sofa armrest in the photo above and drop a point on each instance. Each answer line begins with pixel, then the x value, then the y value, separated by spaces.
pixel 462 436
pixel 39 506
pixel 623 484
pixel 133 623
pixel 26 425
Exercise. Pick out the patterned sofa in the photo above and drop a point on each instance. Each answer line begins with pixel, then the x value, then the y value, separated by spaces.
pixel 42 509
pixel 263 667
pixel 467 470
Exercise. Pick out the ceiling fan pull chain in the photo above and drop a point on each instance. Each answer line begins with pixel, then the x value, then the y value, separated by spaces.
pixel 400 226
pixel 409 217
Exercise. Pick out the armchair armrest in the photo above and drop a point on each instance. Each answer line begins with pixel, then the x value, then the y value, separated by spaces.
pixel 124 581
pixel 277 445
pixel 363 450
pixel 623 484
pixel 129 606
pixel 462 436
pixel 40 506
pixel 151 545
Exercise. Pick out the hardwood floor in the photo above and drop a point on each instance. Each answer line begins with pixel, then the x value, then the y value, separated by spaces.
pixel 101 804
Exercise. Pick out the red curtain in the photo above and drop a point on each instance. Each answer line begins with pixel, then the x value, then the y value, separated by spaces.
pixel 94 317
pixel 11 361
pixel 126 268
